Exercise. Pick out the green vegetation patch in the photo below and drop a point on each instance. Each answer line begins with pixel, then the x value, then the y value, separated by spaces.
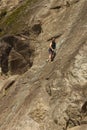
pixel 16 20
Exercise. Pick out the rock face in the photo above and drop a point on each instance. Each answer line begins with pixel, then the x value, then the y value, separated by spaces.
pixel 50 95
pixel 83 127
pixel 9 4
pixel 15 55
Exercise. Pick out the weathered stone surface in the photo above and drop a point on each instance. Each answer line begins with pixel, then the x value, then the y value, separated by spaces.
pixel 17 62
pixel 7 4
pixel 51 96
pixel 15 55
pixel 83 127
pixel 8 82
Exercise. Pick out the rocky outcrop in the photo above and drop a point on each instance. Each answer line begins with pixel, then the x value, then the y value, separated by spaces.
pixel 50 95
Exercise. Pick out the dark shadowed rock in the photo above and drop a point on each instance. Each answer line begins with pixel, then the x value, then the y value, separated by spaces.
pixel 37 28
pixel 19 59
pixel 17 63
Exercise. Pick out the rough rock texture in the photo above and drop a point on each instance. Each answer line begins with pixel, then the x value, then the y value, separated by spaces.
pixel 15 54
pixel 9 4
pixel 51 96
pixel 83 127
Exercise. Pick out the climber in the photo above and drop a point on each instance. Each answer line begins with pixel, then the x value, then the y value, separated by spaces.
pixel 52 48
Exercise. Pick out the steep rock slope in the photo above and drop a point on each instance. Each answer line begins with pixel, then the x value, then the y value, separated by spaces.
pixel 7 4
pixel 52 96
